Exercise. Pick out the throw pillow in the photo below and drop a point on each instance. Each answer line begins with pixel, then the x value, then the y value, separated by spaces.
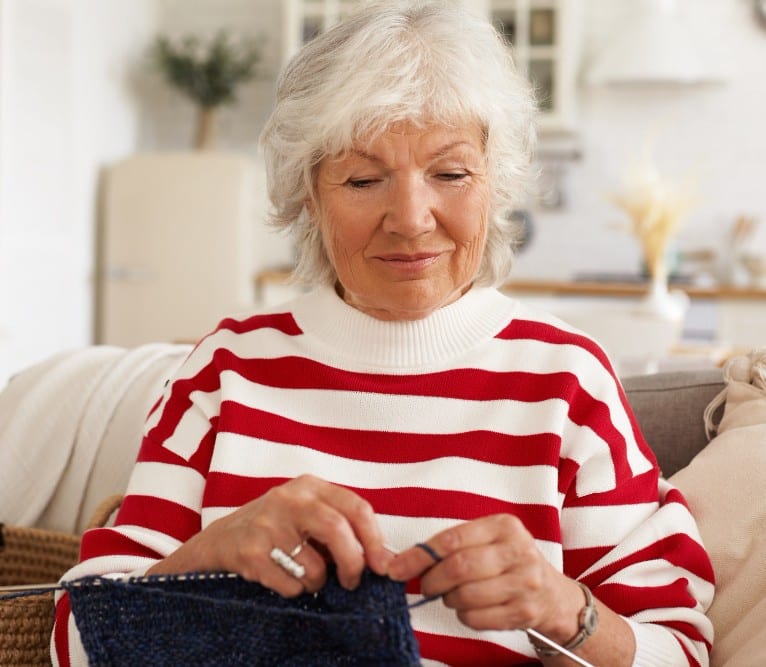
pixel 725 486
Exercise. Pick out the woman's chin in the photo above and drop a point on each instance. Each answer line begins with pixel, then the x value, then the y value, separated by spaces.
pixel 407 304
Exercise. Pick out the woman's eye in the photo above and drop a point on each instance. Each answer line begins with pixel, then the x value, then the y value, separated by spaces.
pixel 452 176
pixel 361 183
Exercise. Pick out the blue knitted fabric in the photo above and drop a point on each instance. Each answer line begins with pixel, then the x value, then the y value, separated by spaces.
pixel 204 619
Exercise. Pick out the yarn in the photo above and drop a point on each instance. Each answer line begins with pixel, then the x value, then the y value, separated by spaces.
pixel 219 619
pixel 750 369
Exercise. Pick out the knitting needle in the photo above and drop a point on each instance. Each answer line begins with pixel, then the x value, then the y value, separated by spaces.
pixel 575 658
pixel 24 588
pixel 534 633
pixel 33 588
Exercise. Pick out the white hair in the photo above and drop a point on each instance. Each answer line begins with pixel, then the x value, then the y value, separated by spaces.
pixel 422 61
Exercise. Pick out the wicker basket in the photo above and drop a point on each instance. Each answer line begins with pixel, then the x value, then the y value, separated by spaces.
pixel 36 556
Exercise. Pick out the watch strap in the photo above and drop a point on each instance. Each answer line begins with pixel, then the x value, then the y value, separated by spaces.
pixel 588 621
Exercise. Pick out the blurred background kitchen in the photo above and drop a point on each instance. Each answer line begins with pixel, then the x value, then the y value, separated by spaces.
pixel 132 211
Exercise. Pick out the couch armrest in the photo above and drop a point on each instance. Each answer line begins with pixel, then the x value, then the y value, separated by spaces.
pixel 669 407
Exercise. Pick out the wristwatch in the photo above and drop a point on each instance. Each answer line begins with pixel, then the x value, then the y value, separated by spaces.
pixel 588 620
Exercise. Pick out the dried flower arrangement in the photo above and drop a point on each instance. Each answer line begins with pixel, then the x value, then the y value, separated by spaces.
pixel 656 208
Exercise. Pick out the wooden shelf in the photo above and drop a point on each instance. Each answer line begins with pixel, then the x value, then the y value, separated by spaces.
pixel 570 288
pixel 617 289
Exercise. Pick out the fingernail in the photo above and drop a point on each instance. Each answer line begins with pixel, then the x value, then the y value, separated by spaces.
pixel 351 584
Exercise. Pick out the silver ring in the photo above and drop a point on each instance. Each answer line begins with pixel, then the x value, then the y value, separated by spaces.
pixel 297 549
pixel 286 562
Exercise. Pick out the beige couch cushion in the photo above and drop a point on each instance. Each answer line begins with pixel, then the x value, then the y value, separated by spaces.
pixel 725 486
pixel 70 428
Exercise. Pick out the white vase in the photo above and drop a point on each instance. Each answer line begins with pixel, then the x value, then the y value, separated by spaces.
pixel 662 302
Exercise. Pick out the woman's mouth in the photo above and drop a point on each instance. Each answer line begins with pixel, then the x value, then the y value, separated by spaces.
pixel 409 261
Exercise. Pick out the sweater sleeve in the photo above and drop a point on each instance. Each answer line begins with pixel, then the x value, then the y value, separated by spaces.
pixel 629 535
pixel 161 507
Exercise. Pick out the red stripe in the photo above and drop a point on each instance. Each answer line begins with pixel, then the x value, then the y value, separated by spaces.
pixel 638 436
pixel 547 333
pixel 576 561
pixel 179 401
pixel 154 407
pixel 584 410
pixel 629 600
pixel 529 329
pixel 161 515
pixel 412 587
pixel 61 630
pixel 567 474
pixel 100 541
pixel 226 490
pixel 154 452
pixel 676 496
pixel 678 549
pixel 693 662
pixel 387 446
pixel 465 652
pixel 691 631
pixel 283 322
pixel 462 383
pixel 628 491
pixel 200 460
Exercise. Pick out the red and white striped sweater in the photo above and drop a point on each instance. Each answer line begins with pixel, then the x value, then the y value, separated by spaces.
pixel 485 406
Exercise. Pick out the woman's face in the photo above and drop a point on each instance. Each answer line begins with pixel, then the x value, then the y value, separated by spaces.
pixel 403 218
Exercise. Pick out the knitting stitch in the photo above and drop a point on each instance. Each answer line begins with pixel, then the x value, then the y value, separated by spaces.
pixel 216 619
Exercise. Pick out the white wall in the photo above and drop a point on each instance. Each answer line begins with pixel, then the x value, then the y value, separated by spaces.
pixel 66 107
pixel 168 118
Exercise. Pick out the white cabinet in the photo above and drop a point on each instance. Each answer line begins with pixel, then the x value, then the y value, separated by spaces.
pixel 545 38
pixel 177 247
pixel 305 19
pixel 544 35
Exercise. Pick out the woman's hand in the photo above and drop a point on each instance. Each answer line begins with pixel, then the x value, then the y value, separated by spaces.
pixel 328 520
pixel 494 576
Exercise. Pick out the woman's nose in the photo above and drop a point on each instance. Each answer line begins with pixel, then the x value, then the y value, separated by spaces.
pixel 409 210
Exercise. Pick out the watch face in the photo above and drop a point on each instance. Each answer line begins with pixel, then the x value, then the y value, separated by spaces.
pixel 589 620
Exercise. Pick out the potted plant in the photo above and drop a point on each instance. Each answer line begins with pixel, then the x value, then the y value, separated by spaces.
pixel 208 74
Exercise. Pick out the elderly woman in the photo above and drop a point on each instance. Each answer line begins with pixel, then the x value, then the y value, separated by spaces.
pixel 406 400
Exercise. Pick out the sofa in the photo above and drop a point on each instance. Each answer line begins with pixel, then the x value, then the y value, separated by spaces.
pixel 91 402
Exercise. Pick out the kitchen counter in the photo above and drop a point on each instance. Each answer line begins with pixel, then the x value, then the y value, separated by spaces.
pixel 626 289
pixel 570 288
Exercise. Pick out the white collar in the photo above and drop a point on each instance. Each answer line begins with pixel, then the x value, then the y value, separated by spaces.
pixel 368 342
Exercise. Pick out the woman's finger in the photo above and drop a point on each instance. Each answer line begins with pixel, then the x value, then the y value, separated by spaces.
pixel 495 529
pixel 334 523
pixel 304 563
pixel 344 523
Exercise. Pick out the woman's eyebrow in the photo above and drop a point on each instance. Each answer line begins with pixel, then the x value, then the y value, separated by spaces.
pixel 440 152
pixel 356 152
pixel 444 151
